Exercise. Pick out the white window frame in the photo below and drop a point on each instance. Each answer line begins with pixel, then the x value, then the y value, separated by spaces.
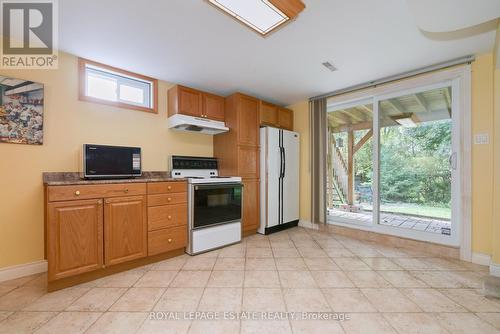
pixel 148 85
pixel 459 79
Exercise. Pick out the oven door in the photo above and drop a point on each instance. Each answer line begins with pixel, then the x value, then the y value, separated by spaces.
pixel 215 204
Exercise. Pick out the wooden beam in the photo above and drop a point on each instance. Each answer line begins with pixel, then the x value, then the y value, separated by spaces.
pixel 350 167
pixel 422 102
pixel 396 105
pixel 357 115
pixel 331 143
pixel 355 127
pixel 447 96
pixel 364 106
pixel 362 141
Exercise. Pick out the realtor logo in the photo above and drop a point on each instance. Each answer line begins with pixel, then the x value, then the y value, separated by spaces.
pixel 29 30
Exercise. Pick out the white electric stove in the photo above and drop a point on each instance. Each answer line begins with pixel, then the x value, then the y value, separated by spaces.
pixel 214 204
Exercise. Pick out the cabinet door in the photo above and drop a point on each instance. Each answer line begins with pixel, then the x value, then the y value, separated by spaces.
pixel 248 114
pixel 125 229
pixel 189 101
pixel 268 114
pixel 248 161
pixel 251 212
pixel 285 118
pixel 74 237
pixel 213 107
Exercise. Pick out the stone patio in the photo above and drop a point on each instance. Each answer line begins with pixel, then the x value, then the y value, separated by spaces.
pixel 432 225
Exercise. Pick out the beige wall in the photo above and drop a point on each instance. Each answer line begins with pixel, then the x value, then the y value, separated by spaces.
pixel 301 125
pixel 496 141
pixel 482 155
pixel 496 199
pixel 69 123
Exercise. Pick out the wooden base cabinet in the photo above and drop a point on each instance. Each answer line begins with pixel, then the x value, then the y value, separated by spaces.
pixel 251 206
pixel 108 230
pixel 75 236
pixel 125 229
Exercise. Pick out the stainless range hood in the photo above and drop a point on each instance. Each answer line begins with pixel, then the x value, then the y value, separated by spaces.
pixel 181 122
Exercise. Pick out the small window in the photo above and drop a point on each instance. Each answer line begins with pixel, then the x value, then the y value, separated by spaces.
pixel 108 85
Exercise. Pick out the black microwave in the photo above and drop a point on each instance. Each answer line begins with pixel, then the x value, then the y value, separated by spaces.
pixel 103 162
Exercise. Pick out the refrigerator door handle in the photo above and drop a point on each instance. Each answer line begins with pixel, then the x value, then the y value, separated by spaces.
pixel 284 162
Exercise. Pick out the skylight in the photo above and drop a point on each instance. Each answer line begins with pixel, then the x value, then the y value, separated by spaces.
pixel 260 15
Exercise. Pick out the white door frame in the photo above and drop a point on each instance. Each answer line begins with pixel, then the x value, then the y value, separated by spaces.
pixel 459 79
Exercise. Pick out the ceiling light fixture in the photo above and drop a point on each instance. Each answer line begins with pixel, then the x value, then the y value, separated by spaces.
pixel 262 16
pixel 406 122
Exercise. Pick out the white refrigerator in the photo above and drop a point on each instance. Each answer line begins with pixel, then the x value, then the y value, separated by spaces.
pixel 279 184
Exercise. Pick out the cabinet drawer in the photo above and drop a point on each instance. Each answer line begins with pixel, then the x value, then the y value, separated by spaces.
pixel 74 192
pixel 166 216
pixel 166 187
pixel 164 199
pixel 167 239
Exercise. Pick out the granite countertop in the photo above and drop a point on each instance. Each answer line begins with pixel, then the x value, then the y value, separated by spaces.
pixel 72 178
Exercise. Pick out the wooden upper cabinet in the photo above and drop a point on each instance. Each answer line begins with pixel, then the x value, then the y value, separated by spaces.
pixel 125 229
pixel 285 119
pixel 213 107
pixel 249 120
pixel 275 116
pixel 192 102
pixel 74 233
pixel 184 100
pixel 268 114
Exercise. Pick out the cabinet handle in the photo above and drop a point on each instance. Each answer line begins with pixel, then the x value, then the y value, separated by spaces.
pixel 169 199
pixel 169 188
pixel 77 193
pixel 169 240
pixel 169 217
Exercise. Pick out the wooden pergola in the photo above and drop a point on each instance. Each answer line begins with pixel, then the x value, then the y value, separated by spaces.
pixel 413 109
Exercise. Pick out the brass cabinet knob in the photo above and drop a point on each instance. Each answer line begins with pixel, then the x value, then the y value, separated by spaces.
pixel 169 240
pixel 169 199
pixel 169 217
pixel 169 188
pixel 125 191
pixel 77 193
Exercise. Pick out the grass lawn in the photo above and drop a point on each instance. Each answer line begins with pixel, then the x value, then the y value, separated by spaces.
pixel 413 209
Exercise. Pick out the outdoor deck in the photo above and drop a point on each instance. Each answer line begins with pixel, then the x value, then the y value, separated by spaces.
pixel 432 225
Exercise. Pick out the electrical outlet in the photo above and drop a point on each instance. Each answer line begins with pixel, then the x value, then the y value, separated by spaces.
pixel 481 139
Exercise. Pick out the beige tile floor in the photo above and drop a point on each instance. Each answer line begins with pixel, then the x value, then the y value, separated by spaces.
pixel 380 289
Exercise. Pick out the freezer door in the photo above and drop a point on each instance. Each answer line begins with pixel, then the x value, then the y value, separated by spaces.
pixel 270 176
pixel 290 202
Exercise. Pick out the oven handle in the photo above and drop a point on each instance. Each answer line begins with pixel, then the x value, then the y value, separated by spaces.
pixel 219 186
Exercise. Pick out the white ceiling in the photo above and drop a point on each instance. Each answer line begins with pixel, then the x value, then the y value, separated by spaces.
pixel 192 43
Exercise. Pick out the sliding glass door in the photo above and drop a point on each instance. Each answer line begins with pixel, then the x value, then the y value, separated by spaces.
pixel 416 160
pixel 392 162
pixel 349 162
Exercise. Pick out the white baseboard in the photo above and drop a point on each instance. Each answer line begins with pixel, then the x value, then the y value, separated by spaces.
pixel 307 224
pixel 482 259
pixel 22 270
pixel 495 269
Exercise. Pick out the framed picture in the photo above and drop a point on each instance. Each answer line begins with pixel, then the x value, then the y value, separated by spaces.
pixel 21 111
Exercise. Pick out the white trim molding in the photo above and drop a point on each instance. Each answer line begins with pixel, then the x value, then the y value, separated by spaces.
pixel 480 258
pixel 22 270
pixel 495 269
pixel 308 224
